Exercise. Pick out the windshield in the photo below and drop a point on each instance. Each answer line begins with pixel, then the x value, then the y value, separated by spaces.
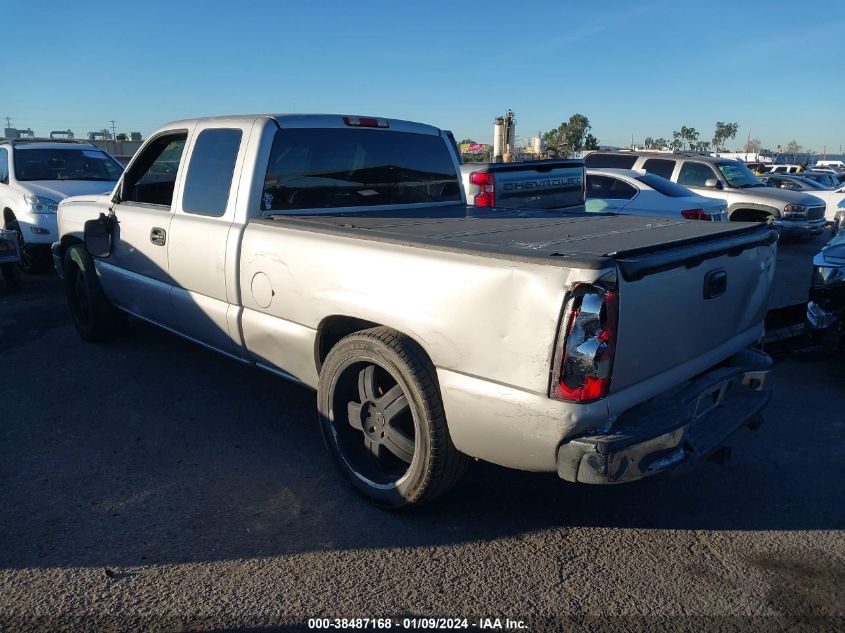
pixel 330 168
pixel 738 175
pixel 65 164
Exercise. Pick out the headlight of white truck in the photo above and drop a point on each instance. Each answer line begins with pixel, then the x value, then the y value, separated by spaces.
pixel 37 204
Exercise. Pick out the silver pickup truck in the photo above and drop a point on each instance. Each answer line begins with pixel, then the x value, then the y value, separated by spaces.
pixel 339 252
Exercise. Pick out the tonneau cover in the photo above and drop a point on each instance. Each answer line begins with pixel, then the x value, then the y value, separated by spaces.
pixel 590 241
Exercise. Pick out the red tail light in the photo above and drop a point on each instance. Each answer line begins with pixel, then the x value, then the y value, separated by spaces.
pixel 585 359
pixel 486 197
pixel 359 121
pixel 696 214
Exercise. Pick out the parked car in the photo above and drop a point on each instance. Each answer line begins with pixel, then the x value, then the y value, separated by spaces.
pixel 34 177
pixel 826 307
pixel 825 178
pixel 541 184
pixel 10 257
pixel 639 193
pixel 794 213
pixel 785 169
pixel 796 182
pixel 838 219
pixel 339 252
pixel 829 164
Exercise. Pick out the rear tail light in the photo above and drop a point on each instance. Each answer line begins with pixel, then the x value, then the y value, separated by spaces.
pixel 486 197
pixel 584 362
pixel 358 121
pixel 696 214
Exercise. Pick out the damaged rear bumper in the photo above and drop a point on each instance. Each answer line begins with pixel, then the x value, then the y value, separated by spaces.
pixel 675 428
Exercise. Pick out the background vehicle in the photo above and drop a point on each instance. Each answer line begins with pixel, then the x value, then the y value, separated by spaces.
pixel 826 307
pixel 35 176
pixel 831 164
pixel 640 193
pixel 785 169
pixel 339 252
pixel 824 178
pixel 9 257
pixel 541 184
pixel 796 182
pixel 794 213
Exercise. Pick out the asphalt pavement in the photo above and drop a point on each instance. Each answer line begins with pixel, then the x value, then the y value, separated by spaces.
pixel 148 484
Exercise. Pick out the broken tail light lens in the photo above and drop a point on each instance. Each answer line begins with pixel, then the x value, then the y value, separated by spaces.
pixel 696 214
pixel 486 197
pixel 585 360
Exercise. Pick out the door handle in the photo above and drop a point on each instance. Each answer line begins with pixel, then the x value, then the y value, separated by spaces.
pixel 158 236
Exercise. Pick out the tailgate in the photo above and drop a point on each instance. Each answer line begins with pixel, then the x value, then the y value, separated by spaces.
pixel 548 184
pixel 679 304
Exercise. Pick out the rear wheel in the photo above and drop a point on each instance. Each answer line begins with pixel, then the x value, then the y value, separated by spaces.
pixel 94 317
pixel 382 419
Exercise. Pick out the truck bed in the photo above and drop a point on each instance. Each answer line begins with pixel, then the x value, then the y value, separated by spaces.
pixel 637 244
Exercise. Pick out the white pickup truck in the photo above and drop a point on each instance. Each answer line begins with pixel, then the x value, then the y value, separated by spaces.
pixel 339 252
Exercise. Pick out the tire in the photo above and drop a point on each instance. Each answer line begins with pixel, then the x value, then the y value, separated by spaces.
pixel 94 317
pixel 35 258
pixel 12 275
pixel 383 421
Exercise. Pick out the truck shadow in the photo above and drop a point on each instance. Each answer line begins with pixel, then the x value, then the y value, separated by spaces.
pixel 152 450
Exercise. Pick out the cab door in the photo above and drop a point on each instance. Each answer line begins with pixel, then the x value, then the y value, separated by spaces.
pixel 204 237
pixel 136 276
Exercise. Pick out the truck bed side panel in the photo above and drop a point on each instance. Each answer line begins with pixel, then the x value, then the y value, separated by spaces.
pixel 491 318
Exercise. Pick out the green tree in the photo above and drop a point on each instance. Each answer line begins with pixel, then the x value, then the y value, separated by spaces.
pixel 753 145
pixel 590 142
pixel 648 142
pixel 660 143
pixel 569 136
pixel 684 138
pixel 723 132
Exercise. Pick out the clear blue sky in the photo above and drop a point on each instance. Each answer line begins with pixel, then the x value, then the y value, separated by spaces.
pixel 633 68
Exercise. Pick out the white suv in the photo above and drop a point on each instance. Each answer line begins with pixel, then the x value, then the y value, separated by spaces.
pixel 35 176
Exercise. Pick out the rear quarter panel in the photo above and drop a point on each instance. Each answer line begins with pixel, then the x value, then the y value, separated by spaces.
pixel 479 316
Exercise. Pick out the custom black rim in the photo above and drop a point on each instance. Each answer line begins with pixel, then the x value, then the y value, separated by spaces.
pixel 373 424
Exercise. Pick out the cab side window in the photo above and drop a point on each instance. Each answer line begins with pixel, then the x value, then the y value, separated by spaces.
pixel 152 177
pixel 4 166
pixel 695 174
pixel 210 172
pixel 660 167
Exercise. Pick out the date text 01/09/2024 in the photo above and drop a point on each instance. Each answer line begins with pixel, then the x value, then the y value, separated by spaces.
pixel 416 623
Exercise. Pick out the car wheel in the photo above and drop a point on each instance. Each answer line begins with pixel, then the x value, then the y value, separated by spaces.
pixel 383 421
pixel 94 317
pixel 11 274
pixel 35 258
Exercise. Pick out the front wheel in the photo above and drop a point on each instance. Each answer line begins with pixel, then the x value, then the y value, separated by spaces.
pixel 94 317
pixel 35 258
pixel 383 421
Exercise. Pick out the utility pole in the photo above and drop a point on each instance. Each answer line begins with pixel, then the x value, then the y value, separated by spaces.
pixel 9 123
pixel 113 132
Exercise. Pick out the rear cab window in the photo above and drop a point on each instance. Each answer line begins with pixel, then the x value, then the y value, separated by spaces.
pixel 324 168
